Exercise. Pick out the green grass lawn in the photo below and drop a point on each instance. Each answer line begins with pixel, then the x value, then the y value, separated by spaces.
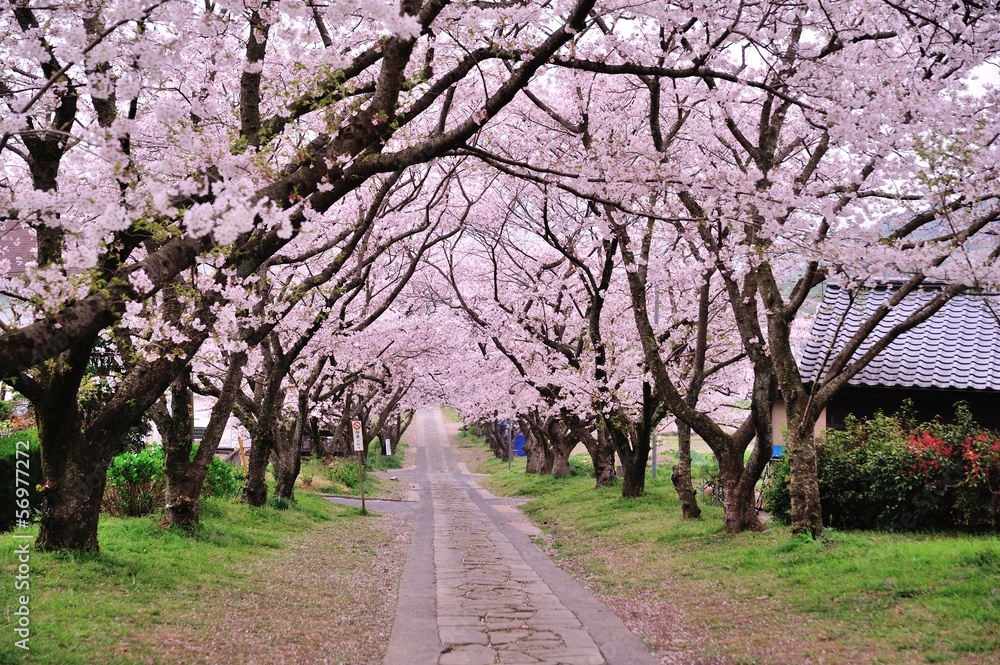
pixel 89 609
pixel 881 597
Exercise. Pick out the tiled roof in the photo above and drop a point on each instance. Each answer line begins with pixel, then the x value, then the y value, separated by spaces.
pixel 958 347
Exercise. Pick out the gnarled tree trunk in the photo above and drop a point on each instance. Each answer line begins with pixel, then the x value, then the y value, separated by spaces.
pixel 562 441
pixel 540 459
pixel 681 474
pixel 186 476
pixel 803 484
pixel 496 439
pixel 632 444
pixel 74 468
pixel 286 458
pixel 602 452
pixel 738 500
pixel 634 468
pixel 264 441
pixel 75 475
pixel 394 429
pixel 175 422
pixel 600 448
pixel 631 439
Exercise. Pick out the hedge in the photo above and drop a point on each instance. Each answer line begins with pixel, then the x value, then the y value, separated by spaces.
pixel 889 472
pixel 8 474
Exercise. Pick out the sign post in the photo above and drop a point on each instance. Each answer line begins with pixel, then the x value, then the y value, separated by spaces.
pixel 510 445
pixel 359 447
pixel 388 446
pixel 656 322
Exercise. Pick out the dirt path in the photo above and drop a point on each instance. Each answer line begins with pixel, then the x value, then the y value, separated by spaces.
pixel 328 597
pixel 476 590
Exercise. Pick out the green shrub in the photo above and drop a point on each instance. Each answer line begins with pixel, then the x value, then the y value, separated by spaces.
pixel 777 498
pixel 345 472
pixel 9 476
pixel 222 479
pixel 860 474
pixel 581 466
pixel 888 472
pixel 135 483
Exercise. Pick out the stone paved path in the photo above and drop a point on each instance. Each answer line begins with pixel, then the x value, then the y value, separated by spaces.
pixel 477 591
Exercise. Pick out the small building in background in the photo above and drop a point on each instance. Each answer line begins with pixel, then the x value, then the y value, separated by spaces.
pixel 953 356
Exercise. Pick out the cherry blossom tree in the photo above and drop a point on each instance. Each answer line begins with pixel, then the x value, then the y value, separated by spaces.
pixel 154 145
pixel 141 139
pixel 779 137
pixel 531 304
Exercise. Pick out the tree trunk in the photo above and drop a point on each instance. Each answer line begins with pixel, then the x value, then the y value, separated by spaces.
pixel 286 458
pixel 600 447
pixel 496 440
pixel 75 475
pixel 681 474
pixel 318 447
pixel 176 425
pixel 561 450
pixel 255 492
pixel 185 477
pixel 183 483
pixel 602 452
pixel 402 423
pixel 562 441
pixel 738 484
pixel 74 469
pixel 634 472
pixel 182 498
pixel 539 458
pixel 341 444
pixel 803 484
pixel 632 444
pixel 738 497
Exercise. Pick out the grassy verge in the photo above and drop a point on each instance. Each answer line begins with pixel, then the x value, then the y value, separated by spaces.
pixel 250 583
pixel 450 414
pixel 767 598
pixel 342 477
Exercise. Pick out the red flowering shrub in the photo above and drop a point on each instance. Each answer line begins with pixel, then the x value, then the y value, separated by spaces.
pixel 959 465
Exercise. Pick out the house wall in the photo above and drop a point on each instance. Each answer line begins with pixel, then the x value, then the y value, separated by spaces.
pixel 779 422
pixel 864 402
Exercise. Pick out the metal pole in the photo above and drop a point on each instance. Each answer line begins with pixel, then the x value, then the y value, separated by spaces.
pixel 656 435
pixel 510 445
pixel 361 455
pixel 656 323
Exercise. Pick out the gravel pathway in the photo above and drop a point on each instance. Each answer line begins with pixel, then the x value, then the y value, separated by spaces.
pixel 477 591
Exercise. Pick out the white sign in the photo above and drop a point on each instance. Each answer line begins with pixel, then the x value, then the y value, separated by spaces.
pixel 388 446
pixel 359 441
